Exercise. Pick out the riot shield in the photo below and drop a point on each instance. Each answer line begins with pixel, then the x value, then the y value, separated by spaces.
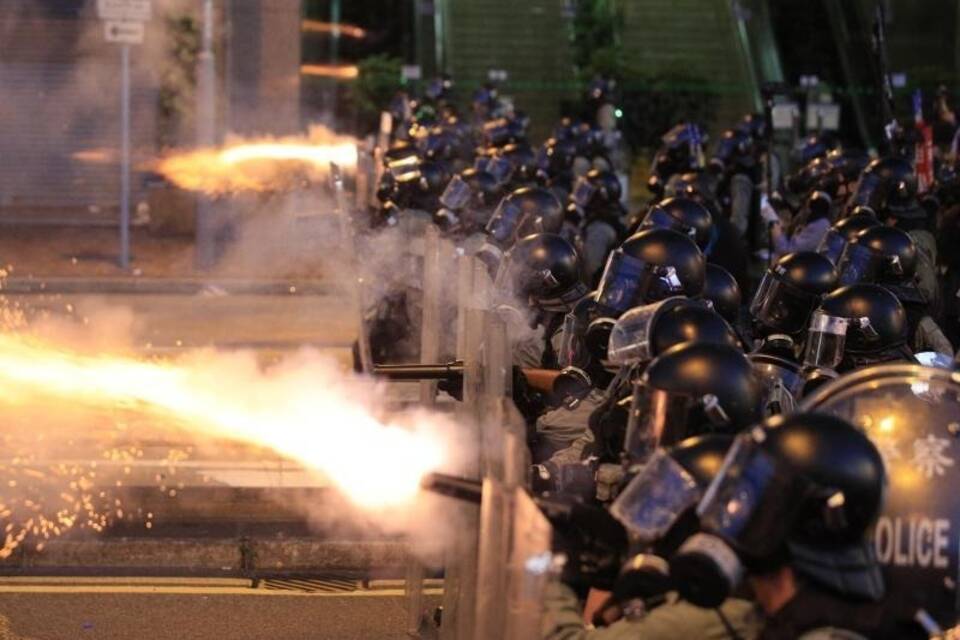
pixel 356 289
pixel 912 414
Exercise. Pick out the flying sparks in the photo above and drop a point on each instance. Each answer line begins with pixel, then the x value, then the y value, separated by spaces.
pixel 266 164
pixel 305 411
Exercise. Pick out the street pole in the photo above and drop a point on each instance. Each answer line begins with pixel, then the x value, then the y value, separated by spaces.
pixel 205 253
pixel 125 156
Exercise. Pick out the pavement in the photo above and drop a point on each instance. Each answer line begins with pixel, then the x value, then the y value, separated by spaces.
pixel 149 609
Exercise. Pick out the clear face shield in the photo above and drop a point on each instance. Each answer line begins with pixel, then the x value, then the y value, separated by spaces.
pixel 630 337
pixel 505 221
pixel 657 218
pixel 628 281
pixel 500 169
pixel 746 504
pixel 857 264
pixel 572 352
pixel 655 498
pixel 826 339
pixel 583 192
pixel 660 418
pixel 832 245
pixel 781 306
pixel 457 194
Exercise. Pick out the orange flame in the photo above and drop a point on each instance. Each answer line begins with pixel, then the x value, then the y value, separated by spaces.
pixel 336 71
pixel 346 30
pixel 307 411
pixel 266 164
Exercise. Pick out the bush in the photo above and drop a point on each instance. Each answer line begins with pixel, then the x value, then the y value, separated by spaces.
pixel 377 82
pixel 653 103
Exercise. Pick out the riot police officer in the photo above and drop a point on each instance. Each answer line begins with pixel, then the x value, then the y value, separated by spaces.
pixel 595 218
pixel 793 511
pixel 657 509
pixel 788 293
pixel 856 326
pixel 684 215
pixel 691 389
pixel 889 257
pixel 844 231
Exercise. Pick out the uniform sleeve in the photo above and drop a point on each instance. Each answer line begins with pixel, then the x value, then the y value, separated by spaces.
pixel 805 239
pixel 741 202
pixel 563 621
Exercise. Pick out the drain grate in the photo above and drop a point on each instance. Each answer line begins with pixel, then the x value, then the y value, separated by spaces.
pixel 311 584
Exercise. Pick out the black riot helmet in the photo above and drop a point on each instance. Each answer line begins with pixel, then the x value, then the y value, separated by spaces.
pixel 856 324
pixel 882 177
pixel 649 266
pixel 735 149
pixel 523 159
pixel 790 290
pixel 543 269
pixel 685 215
pixel 803 490
pixel 818 145
pixel 555 158
pixel 723 292
pixel 597 189
pixel 844 231
pixel 911 413
pixel 879 254
pixel 692 388
pixel 526 210
pixel 643 333
pixel 753 124
pixel 470 188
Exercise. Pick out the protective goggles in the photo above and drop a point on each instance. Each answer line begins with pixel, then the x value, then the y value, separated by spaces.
pixel 655 498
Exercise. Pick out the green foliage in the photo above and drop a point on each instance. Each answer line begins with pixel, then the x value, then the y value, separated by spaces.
pixel 596 36
pixel 653 103
pixel 377 82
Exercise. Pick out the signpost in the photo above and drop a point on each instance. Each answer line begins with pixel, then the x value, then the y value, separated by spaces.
pixel 124 25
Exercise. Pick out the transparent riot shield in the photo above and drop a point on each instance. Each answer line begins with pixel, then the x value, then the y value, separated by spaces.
pixel 357 288
pixel 912 414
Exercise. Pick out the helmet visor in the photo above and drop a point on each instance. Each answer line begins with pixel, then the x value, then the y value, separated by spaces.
pixel 572 351
pixel 630 337
pixel 745 502
pixel 628 281
pixel 500 169
pixel 868 191
pixel 781 306
pixel 657 218
pixel 857 264
pixel 457 194
pixel 657 418
pixel 655 499
pixel 832 245
pixel 825 341
pixel 583 192
pixel 505 221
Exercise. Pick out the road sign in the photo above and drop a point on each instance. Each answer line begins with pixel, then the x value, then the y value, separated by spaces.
pixel 123 32
pixel 124 10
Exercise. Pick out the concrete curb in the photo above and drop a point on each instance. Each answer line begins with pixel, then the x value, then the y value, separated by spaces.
pixel 219 557
pixel 163 286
